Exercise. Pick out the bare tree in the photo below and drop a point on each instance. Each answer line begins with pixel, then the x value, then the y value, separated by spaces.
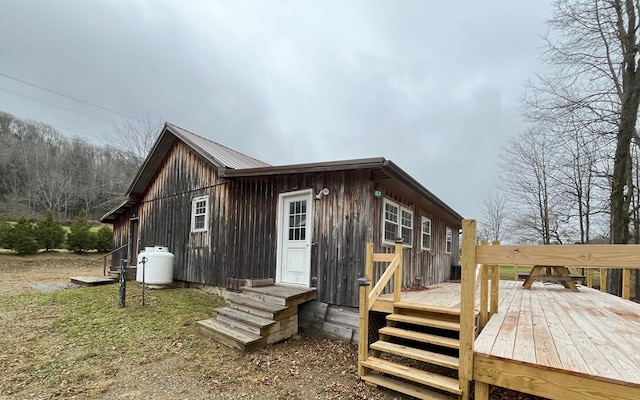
pixel 494 217
pixel 134 138
pixel 592 59
pixel 539 211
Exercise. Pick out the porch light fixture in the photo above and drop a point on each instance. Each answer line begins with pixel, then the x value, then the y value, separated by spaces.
pixel 322 193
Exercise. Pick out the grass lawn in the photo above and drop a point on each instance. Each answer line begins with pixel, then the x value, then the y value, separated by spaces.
pixel 73 338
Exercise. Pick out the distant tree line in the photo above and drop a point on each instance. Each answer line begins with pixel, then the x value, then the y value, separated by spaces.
pixel 25 237
pixel 42 169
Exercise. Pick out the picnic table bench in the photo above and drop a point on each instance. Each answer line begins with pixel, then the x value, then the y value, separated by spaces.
pixel 551 274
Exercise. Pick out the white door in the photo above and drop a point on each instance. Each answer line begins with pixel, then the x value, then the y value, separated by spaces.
pixel 294 238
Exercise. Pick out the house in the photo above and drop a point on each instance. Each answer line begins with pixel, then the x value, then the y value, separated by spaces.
pixel 226 215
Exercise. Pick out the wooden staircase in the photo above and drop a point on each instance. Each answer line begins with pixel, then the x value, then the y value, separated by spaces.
pixel 417 352
pixel 258 317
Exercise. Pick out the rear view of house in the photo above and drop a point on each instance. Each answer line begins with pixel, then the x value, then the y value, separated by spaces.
pixel 226 215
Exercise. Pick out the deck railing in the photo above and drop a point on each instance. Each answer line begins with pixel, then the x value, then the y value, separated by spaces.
pixel 368 296
pixel 601 256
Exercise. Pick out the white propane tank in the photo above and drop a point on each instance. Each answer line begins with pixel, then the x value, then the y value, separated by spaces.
pixel 158 268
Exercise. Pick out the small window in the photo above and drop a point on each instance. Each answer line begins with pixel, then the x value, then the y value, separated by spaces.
pixel 449 241
pixel 199 214
pixel 426 233
pixel 397 222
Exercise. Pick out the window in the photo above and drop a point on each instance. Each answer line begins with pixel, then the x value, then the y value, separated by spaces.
pixel 426 233
pixel 449 241
pixel 199 214
pixel 397 222
pixel 297 220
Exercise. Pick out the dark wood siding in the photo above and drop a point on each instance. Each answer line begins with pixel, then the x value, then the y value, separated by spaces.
pixel 241 237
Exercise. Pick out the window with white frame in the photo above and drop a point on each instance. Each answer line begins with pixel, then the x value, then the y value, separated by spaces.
pixel 397 222
pixel 199 213
pixel 426 234
pixel 449 243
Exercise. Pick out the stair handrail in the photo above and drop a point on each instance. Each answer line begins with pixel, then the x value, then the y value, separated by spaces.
pixel 104 257
pixel 369 296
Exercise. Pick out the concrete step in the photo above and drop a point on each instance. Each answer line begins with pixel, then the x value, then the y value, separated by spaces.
pixel 418 376
pixel 230 336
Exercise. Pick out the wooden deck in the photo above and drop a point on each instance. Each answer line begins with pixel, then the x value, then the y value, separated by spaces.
pixel 560 344
pixel 550 341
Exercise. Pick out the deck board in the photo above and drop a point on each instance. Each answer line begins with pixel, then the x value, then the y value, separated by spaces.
pixel 586 334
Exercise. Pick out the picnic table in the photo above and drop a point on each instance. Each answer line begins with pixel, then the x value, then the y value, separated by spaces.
pixel 552 273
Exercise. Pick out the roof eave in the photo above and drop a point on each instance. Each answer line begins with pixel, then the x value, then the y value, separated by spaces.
pixel 395 172
pixel 363 163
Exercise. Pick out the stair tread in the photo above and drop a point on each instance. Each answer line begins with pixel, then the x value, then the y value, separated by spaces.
pixel 280 291
pixel 257 304
pixel 431 357
pixel 250 319
pixel 424 321
pixel 419 392
pixel 440 382
pixel 421 337
pixel 237 334
pixel 427 308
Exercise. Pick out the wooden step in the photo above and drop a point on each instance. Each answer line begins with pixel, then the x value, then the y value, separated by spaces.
pixel 427 308
pixel 413 374
pixel 423 321
pixel 243 320
pixel 230 336
pixel 257 307
pixel 421 337
pixel 280 294
pixel 419 392
pixel 430 357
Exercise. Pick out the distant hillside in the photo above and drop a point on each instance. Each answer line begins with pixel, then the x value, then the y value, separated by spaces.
pixel 42 169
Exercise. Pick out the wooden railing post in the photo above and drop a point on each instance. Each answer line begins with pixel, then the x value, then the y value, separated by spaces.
pixel 467 306
pixel 368 266
pixel 626 283
pixel 495 284
pixel 363 334
pixel 589 274
pixel 397 276
pixel 603 280
pixel 484 292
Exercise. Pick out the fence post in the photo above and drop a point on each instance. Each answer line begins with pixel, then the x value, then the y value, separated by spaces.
pixel 397 276
pixel 363 334
pixel 123 283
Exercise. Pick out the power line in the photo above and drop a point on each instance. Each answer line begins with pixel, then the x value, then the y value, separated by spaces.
pixel 56 105
pixel 70 97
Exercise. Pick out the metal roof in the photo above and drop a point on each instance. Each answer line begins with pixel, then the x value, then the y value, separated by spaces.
pixel 225 157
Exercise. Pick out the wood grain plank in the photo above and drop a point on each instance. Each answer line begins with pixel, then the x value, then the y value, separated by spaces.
pixel 594 255
pixel 525 345
pixel 505 340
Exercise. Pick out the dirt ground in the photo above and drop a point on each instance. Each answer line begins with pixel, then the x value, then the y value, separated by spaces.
pixel 300 368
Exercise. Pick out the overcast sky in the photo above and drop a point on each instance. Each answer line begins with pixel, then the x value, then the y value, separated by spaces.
pixel 432 85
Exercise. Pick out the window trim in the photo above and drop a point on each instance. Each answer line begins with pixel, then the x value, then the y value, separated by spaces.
pixel 448 241
pixel 398 224
pixel 195 201
pixel 423 220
